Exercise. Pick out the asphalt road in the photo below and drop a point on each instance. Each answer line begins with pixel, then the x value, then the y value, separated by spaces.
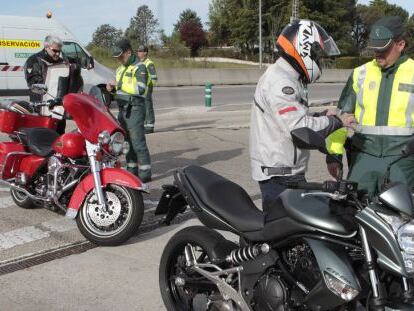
pixel 167 98
pixel 125 277
pixel 24 232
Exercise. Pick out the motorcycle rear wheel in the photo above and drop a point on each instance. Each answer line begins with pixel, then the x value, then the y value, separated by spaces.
pixel 22 200
pixel 119 223
pixel 173 269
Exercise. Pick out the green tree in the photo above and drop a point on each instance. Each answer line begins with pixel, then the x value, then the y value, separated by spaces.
pixel 142 27
pixel 105 36
pixel 336 17
pixel 220 30
pixel 367 15
pixel 188 16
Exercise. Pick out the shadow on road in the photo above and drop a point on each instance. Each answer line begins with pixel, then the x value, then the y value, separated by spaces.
pixel 165 163
pixel 188 126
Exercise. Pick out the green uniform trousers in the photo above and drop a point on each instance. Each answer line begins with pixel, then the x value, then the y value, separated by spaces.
pixel 369 170
pixel 131 117
pixel 149 112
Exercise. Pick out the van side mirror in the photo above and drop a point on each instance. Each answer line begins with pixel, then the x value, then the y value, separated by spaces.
pixel 39 88
pixel 90 63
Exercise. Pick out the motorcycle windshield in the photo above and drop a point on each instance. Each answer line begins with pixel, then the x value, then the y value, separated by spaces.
pixel 90 115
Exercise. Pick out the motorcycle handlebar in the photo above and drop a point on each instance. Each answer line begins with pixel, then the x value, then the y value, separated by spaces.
pixel 330 186
pixel 51 103
pixel 306 185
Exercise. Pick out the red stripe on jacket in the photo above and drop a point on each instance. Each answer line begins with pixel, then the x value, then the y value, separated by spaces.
pixel 287 109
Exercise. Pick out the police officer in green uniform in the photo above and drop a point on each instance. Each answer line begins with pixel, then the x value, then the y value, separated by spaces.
pixel 130 90
pixel 381 94
pixel 152 80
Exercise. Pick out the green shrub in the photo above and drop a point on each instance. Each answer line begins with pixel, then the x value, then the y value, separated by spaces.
pixel 214 52
pixel 349 62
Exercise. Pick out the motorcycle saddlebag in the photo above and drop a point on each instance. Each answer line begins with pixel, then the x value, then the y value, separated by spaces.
pixel 10 158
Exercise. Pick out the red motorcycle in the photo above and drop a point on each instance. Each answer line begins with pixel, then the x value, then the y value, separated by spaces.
pixel 78 172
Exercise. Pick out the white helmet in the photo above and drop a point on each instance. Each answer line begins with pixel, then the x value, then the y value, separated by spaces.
pixel 303 43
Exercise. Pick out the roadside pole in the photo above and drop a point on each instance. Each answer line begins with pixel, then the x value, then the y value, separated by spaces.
pixel 260 34
pixel 207 94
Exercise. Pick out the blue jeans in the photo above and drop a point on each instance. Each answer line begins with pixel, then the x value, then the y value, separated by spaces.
pixel 273 187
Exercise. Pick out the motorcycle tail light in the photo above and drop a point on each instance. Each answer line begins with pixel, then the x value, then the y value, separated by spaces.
pixel 339 287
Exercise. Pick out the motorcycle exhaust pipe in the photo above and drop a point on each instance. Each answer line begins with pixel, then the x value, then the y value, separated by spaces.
pixel 15 187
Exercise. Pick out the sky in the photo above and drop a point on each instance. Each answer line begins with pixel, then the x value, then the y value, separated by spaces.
pixel 82 17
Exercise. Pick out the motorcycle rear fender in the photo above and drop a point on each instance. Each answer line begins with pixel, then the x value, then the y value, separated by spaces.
pixel 115 176
pixel 171 203
pixel 332 259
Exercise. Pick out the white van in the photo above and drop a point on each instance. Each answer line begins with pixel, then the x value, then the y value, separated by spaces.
pixel 21 37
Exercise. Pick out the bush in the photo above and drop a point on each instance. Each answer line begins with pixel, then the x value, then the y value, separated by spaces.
pixel 349 62
pixel 217 52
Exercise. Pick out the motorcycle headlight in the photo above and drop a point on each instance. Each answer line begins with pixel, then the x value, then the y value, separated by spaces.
pixel 125 148
pixel 104 137
pixel 406 241
pixel 116 143
pixel 404 230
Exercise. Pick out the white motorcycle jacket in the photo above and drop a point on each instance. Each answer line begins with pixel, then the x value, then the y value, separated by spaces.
pixel 280 106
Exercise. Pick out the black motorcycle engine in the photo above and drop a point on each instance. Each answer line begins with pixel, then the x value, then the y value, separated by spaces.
pixel 270 294
pixel 302 264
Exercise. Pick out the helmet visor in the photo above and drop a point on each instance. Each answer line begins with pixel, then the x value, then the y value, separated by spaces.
pixel 328 44
pixel 330 48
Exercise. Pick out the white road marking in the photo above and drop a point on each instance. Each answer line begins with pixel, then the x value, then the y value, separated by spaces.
pixel 6 202
pixel 21 236
pixel 29 234
pixel 43 230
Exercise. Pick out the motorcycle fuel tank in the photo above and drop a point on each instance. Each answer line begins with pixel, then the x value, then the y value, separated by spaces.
pixel 71 145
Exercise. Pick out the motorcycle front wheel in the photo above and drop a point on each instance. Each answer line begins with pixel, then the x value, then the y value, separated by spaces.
pixel 125 210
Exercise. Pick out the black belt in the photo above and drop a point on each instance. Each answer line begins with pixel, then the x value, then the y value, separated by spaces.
pixel 269 171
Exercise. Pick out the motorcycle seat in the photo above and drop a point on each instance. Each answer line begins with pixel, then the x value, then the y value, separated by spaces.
pixel 38 140
pixel 225 198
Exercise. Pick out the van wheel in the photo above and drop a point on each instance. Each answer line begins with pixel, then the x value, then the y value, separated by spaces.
pixel 21 199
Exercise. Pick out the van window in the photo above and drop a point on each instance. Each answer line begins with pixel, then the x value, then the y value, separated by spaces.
pixel 74 51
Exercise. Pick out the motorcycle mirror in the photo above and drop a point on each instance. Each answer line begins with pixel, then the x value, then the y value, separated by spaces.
pixel 305 138
pixel 409 148
pixel 38 88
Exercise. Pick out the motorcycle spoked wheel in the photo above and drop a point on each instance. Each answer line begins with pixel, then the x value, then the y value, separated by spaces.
pixel 119 223
pixel 179 297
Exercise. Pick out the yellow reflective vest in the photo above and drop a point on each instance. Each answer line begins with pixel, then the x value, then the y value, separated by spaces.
pixel 131 80
pixel 383 103
pixel 152 74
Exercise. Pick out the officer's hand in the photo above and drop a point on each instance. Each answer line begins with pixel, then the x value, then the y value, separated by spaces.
pixel 348 120
pixel 333 169
pixel 110 86
pixel 331 112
